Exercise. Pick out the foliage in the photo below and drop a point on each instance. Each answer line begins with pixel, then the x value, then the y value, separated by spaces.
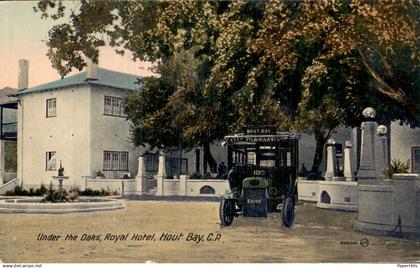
pixel 102 192
pixel 397 166
pixel 56 196
pixel 20 191
pixel 100 174
pixel 302 65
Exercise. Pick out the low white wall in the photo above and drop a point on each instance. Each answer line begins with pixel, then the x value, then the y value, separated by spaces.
pixel 308 190
pixel 129 187
pixel 186 187
pixel 193 187
pixel 343 195
pixel 171 187
pixel 119 185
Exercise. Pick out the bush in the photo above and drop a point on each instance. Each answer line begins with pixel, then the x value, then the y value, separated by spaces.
pixel 19 191
pixel 41 191
pixel 397 166
pixel 102 192
pixel 51 195
pixel 56 196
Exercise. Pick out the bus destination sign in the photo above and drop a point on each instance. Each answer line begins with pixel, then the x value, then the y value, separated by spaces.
pixel 260 130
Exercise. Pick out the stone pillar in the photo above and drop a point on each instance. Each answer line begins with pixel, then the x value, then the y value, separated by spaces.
pixel 382 161
pixel 367 169
pixel 331 161
pixel 2 161
pixel 161 176
pixel 348 162
pixel 141 176
pixel 183 185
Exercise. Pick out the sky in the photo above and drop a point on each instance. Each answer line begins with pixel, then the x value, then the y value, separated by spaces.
pixel 22 32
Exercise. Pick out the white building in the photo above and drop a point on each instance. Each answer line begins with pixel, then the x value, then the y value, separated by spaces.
pixel 77 121
pixel 405 145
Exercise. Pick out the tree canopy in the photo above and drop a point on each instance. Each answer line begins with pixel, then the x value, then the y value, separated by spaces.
pixel 302 65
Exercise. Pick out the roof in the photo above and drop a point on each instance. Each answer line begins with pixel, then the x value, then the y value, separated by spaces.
pixel 105 77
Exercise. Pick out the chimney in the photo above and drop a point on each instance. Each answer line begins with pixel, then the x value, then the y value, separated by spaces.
pixel 91 70
pixel 23 74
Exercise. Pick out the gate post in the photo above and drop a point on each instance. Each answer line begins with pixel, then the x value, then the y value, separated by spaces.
pixel 161 176
pixel 141 176
pixel 331 162
pixel 348 163
pixel 183 185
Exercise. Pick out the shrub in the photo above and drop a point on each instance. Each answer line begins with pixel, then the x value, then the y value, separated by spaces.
pixel 74 189
pixel 17 191
pixel 102 192
pixel 99 173
pixel 56 196
pixel 397 166
pixel 41 191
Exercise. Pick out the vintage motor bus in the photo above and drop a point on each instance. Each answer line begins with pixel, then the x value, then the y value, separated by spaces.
pixel 262 170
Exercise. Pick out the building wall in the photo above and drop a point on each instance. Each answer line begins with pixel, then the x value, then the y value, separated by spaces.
pixel 67 134
pixel 109 133
pixel 403 139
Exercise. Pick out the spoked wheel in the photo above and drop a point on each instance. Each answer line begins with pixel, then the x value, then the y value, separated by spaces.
pixel 227 211
pixel 288 211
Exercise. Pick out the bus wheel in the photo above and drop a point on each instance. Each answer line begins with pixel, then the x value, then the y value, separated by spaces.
pixel 227 211
pixel 287 211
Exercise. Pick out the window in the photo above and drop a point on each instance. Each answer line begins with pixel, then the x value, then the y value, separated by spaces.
pixel 50 161
pixel 51 107
pixel 113 106
pixel 115 161
pixel 252 160
pixel 415 156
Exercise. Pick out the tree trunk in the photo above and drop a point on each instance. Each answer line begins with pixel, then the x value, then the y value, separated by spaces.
pixel 315 173
pixel 209 158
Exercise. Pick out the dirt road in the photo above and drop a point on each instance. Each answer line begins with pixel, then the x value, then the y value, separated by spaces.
pixel 317 236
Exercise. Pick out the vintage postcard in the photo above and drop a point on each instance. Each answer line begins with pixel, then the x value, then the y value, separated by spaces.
pixel 209 132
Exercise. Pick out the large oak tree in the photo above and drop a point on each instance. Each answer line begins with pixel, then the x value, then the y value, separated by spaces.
pixel 305 66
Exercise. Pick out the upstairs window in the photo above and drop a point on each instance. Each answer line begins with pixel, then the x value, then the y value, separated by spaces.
pixel 51 107
pixel 115 161
pixel 113 106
